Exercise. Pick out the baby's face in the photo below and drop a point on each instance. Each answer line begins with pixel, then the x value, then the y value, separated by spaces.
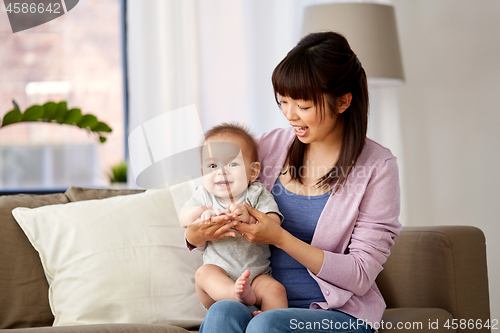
pixel 226 172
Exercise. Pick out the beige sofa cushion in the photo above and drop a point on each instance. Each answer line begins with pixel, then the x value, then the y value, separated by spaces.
pixel 23 288
pixel 75 193
pixel 107 328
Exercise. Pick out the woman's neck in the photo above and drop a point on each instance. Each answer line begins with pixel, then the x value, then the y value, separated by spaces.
pixel 324 153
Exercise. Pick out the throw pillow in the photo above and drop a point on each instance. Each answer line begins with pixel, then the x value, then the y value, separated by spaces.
pixel 117 260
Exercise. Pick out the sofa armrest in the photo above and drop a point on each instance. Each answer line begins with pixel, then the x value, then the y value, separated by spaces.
pixel 438 267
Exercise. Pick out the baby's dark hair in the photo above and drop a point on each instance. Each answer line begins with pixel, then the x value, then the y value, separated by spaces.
pixel 239 130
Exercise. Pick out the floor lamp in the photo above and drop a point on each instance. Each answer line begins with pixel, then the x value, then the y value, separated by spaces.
pixel 371 31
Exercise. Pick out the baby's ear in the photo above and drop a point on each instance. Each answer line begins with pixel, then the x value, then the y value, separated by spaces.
pixel 254 171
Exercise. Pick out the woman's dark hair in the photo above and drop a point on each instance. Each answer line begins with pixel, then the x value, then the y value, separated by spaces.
pixel 322 67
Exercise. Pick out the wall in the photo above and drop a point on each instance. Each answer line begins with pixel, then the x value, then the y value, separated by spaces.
pixel 449 106
pixel 450 113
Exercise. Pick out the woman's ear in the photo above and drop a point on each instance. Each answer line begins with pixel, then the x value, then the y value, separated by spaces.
pixel 254 171
pixel 343 102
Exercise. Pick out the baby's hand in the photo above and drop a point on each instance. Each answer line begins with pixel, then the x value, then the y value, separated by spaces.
pixel 242 213
pixel 207 214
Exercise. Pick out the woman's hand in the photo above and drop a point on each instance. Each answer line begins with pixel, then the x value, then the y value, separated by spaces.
pixel 265 230
pixel 268 231
pixel 215 227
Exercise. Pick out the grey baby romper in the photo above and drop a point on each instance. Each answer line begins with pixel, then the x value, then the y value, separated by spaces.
pixel 236 254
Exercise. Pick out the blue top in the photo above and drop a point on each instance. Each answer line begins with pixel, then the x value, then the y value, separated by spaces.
pixel 301 216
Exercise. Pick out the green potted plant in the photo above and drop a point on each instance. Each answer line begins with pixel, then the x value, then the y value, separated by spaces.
pixel 52 112
pixel 118 173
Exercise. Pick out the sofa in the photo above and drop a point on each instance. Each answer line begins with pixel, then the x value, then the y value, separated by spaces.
pixel 434 281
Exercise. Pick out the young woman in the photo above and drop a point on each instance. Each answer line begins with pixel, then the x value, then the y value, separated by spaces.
pixel 338 192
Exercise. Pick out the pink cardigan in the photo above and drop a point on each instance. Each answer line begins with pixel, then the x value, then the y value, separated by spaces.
pixel 355 230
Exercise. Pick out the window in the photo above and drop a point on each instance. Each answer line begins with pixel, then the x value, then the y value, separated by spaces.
pixel 75 58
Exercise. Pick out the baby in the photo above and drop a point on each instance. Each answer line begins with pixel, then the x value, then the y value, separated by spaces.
pixel 233 267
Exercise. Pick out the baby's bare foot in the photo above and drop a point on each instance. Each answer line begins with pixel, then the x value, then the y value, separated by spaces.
pixel 256 313
pixel 243 290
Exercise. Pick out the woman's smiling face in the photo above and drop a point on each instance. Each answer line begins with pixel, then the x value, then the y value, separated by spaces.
pixel 307 122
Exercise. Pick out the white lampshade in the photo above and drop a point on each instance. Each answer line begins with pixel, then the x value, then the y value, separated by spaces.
pixel 371 31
